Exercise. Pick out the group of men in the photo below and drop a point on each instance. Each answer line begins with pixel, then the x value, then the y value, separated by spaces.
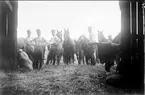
pixel 39 44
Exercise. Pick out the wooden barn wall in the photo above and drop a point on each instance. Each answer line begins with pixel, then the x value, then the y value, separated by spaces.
pixel 8 35
pixel 132 40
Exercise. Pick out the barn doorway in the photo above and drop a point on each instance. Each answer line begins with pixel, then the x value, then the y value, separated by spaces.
pixel 92 81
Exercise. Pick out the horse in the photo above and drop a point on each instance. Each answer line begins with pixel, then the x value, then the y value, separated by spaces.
pixel 60 48
pixel 77 49
pixel 69 47
pixel 101 37
pixel 83 48
pixel 117 39
pixel 89 51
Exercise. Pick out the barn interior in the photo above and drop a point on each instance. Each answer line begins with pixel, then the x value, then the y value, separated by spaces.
pixel 132 41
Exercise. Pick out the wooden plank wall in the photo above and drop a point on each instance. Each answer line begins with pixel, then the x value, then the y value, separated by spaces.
pixel 132 40
pixel 8 34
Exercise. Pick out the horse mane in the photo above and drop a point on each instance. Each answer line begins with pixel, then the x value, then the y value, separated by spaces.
pixel 101 37
pixel 83 39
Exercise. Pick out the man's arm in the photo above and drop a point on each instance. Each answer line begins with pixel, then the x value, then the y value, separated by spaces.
pixel 51 40
pixel 58 40
pixel 32 42
pixel 45 42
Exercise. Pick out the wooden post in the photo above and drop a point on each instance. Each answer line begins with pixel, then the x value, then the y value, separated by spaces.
pixel 134 29
pixel 13 30
pixel 8 36
pixel 125 38
pixel 140 64
pixel 131 65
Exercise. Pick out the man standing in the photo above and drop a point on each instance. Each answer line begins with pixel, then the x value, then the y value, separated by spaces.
pixel 40 44
pixel 92 35
pixel 54 41
pixel 28 38
pixel 93 46
pixel 28 47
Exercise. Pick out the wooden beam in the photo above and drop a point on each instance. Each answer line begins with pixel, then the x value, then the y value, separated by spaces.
pixel 140 44
pixel 9 4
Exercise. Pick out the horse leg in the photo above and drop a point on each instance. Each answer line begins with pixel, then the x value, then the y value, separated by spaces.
pixel 60 56
pixel 54 61
pixel 49 58
pixel 93 60
pixel 47 62
pixel 79 60
pixel 107 66
pixel 34 64
pixel 77 54
pixel 79 57
pixel 83 60
pixel 97 56
pixel 53 58
pixel 83 57
pixel 58 59
pixel 70 57
pixel 41 64
pixel 87 60
pixel 37 62
pixel 73 58
pixel 64 58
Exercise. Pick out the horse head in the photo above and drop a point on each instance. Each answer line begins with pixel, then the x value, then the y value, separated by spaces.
pixel 66 34
pixel 59 34
pixel 101 37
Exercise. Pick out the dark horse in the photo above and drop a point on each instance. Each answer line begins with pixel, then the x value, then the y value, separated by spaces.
pixel 110 52
pixel 82 44
pixel 59 48
pixel 69 47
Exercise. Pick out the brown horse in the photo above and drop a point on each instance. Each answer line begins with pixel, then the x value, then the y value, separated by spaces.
pixel 69 47
pixel 89 51
pixel 83 48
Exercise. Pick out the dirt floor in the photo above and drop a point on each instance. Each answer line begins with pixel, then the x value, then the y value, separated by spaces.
pixel 59 80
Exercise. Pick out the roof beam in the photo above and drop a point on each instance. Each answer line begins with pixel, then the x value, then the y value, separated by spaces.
pixel 9 4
